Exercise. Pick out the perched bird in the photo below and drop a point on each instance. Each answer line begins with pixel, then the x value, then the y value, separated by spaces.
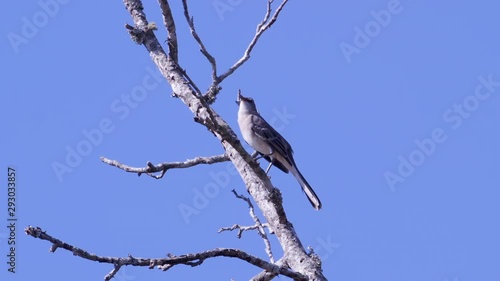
pixel 270 144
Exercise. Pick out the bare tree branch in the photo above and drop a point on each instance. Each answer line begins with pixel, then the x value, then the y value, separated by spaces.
pixel 113 272
pixel 163 167
pixel 168 21
pixel 240 228
pixel 263 26
pixel 188 259
pixel 258 226
pixel 266 23
pixel 203 49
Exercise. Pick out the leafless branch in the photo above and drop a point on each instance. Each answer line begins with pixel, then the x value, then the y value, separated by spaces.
pixel 113 272
pixel 257 226
pixel 261 27
pixel 267 15
pixel 203 49
pixel 261 230
pixel 169 22
pixel 241 228
pixel 188 259
pixel 163 167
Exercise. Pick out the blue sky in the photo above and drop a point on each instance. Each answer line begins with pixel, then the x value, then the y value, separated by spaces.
pixel 391 108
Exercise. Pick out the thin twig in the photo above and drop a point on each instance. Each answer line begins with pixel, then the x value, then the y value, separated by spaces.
pixel 163 167
pixel 266 16
pixel 263 26
pixel 241 228
pixel 188 259
pixel 203 49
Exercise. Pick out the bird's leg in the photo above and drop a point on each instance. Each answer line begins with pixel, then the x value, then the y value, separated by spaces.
pixel 270 165
pixel 271 151
pixel 255 155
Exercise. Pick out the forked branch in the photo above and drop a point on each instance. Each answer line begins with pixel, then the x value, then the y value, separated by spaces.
pixel 265 24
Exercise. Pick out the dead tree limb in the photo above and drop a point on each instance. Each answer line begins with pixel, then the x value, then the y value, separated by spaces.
pixel 165 166
pixel 161 263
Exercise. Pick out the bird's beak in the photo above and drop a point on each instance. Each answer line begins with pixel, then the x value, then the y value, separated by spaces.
pixel 238 99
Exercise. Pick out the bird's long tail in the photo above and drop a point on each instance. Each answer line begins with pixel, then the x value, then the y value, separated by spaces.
pixel 311 195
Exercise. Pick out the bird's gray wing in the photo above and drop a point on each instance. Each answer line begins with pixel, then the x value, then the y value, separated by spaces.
pixel 267 133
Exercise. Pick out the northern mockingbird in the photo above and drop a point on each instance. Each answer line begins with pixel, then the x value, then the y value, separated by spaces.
pixel 270 144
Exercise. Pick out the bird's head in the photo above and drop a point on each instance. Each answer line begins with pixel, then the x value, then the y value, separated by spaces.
pixel 245 103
